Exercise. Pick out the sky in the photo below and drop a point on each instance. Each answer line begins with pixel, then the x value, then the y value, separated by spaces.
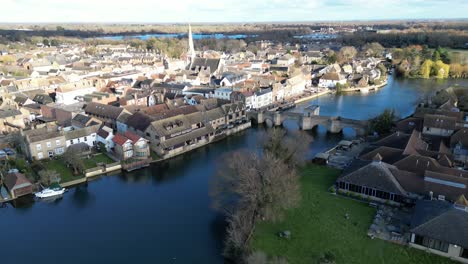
pixel 183 11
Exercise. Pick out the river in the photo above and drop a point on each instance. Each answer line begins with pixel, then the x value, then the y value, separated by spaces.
pixel 162 214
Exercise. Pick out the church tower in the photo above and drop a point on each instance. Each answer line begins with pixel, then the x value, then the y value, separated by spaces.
pixel 191 50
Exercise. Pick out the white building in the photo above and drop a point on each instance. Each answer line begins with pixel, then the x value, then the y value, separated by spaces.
pixel 259 99
pixel 331 79
pixel 105 136
pixel 85 135
pixel 67 94
pixel 223 93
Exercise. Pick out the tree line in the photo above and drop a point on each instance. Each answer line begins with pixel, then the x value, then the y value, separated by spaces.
pixel 422 62
pixel 433 39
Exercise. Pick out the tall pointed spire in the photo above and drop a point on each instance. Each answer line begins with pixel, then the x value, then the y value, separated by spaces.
pixel 191 51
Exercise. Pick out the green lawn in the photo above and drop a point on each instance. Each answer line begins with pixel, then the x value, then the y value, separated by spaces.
pixel 318 225
pixel 59 166
pixel 99 158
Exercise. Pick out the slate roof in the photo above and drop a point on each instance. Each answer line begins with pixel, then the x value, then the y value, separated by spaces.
pixel 171 125
pixel 186 137
pixel 439 220
pixel 82 132
pixel 389 155
pixel 9 113
pixel 461 136
pixel 377 175
pixel 139 121
pixel 107 111
pixel 203 64
pixel 440 121
pixel 81 119
pixel 396 140
pixel 43 99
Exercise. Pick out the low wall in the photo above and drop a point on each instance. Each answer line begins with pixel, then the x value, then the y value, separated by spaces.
pixel 307 98
pixel 75 182
pixel 103 170
pixel 238 128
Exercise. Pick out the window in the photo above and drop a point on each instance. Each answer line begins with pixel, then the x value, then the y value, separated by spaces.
pixel 59 151
pixel 85 138
pixel 40 155
pixel 71 141
pixel 57 142
pixel 49 145
pixel 432 243
pixel 464 253
pixel 39 147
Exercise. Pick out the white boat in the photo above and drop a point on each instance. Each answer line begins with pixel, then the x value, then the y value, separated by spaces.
pixel 50 192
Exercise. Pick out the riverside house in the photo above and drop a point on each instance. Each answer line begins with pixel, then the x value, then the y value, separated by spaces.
pixel 130 145
pixel 17 184
pixel 44 142
pixel 441 228
pixel 178 134
pixel 108 114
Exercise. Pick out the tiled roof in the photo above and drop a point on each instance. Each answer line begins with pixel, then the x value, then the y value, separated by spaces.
pixel 119 139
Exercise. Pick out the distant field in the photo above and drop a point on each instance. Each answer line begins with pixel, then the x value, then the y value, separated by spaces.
pixel 319 226
pixel 463 54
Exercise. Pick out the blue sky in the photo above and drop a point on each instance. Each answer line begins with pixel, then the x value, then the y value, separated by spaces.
pixel 226 10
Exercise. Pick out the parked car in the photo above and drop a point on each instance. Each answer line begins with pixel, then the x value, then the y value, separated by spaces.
pixel 9 151
pixel 2 154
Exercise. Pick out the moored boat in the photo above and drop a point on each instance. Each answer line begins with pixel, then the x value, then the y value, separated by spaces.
pixel 46 193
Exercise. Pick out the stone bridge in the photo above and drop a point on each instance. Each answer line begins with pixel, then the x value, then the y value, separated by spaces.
pixel 308 120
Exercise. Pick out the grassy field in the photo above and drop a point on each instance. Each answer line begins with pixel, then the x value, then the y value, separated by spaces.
pixel 318 226
pixel 59 166
pixel 99 158
pixel 463 55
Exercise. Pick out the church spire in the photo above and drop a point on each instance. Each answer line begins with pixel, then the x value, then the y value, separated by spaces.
pixel 191 51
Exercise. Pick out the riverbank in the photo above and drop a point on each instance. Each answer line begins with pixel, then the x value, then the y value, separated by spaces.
pixel 319 229
pixel 312 96
pixel 365 89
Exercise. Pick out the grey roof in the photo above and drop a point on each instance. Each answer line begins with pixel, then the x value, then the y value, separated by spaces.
pixel 204 64
pixel 214 114
pixel 82 119
pixel 79 133
pixel 186 137
pixel 139 121
pixel 40 134
pixel 440 220
pixel 107 111
pixel 9 113
pixel 377 175
pixel 43 99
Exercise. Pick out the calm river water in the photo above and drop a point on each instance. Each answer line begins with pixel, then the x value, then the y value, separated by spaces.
pixel 162 214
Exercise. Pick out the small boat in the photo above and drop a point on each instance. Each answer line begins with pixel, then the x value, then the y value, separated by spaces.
pixel 46 193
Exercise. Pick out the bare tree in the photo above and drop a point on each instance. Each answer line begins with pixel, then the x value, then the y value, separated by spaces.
pixel 47 177
pixel 258 186
pixel 251 188
pixel 346 54
pixel 290 147
pixel 73 158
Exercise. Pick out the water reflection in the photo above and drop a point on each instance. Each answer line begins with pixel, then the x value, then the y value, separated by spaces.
pixel 81 197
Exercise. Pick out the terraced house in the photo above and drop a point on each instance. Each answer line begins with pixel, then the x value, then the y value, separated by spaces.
pixel 178 134
pixel 44 142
